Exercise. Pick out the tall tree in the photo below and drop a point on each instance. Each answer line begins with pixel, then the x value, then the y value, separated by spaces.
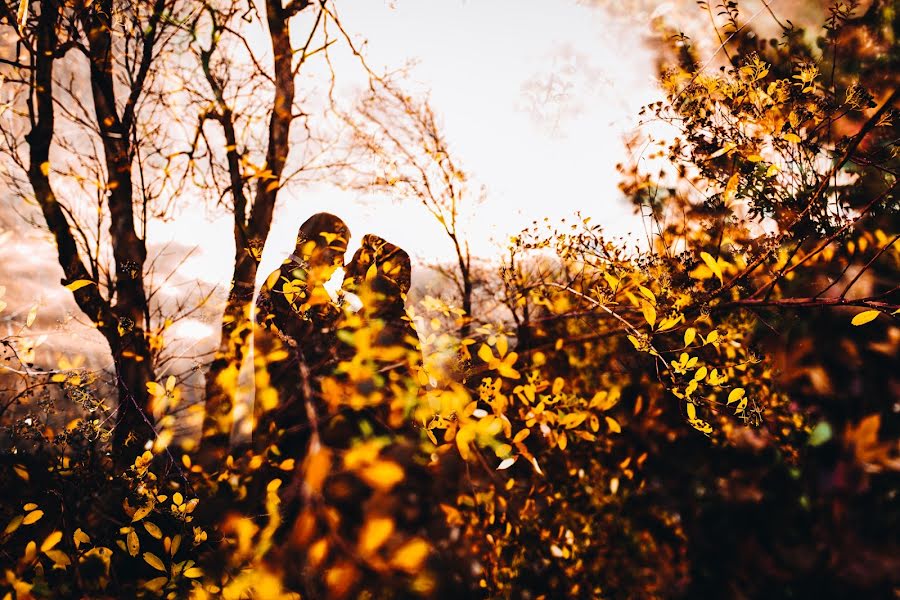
pixel 120 42
pixel 250 186
pixel 404 151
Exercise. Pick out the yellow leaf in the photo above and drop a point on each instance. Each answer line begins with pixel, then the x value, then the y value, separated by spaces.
pixel 371 272
pixel 689 336
pixel 730 188
pixel 573 420
pixel 80 537
pixel 735 395
pixel 670 322
pixel 723 150
pixel 193 572
pixel 317 467
pixel 712 264
pixel 865 316
pixel 59 557
pixel 30 551
pixel 700 375
pixel 611 280
pixel 177 498
pixel 502 345
pixel 13 524
pixel 154 561
pixel 464 437
pixel 410 556
pixel 558 384
pixel 772 170
pixel 375 532
pixel 29 507
pixel 691 411
pixel 791 137
pixel 485 354
pixel 701 426
pixel 156 584
pixel 646 292
pixel 32 314
pixel 52 540
pixel 613 425
pixel 754 158
pixel 141 513
pixel 77 285
pixel 153 530
pixel 32 517
pixel 134 544
pixel 21 17
pixel 649 313
pixel 383 474
pixel 317 552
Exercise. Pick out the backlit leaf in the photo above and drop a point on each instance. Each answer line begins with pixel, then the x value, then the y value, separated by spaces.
pixel 735 395
pixel 156 584
pixel 77 285
pixel 689 335
pixel 649 313
pixel 865 317
pixel 59 557
pixel 410 556
pixel 154 561
pixel 80 537
pixel 52 540
pixel 383 474
pixel 375 532
pixel 613 425
pixel 153 529
pixel 712 264
pixel 32 517
pixel 133 543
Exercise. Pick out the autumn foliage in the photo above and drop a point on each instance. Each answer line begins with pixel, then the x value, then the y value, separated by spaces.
pixel 711 412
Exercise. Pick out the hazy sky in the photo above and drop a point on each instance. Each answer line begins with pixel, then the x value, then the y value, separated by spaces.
pixel 534 98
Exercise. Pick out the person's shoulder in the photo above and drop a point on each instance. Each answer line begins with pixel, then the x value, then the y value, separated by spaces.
pixel 271 281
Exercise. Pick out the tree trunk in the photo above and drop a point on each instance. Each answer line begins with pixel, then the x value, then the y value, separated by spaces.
pixel 250 231
pixel 235 335
pixel 121 324
pixel 134 423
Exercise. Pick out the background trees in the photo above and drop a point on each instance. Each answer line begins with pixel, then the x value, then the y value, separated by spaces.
pixel 247 161
pixel 107 54
pixel 710 412
pixel 404 153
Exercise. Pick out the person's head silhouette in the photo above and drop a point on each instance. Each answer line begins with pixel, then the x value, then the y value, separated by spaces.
pixel 321 244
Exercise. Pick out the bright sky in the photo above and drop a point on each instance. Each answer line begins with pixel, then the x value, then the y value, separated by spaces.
pixel 488 66
pixel 534 98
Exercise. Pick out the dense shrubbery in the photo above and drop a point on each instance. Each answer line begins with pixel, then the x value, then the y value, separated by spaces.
pixel 712 415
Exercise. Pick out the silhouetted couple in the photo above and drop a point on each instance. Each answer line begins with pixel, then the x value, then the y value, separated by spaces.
pixel 299 315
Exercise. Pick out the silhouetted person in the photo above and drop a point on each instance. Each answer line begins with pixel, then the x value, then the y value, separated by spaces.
pixel 380 274
pixel 295 337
